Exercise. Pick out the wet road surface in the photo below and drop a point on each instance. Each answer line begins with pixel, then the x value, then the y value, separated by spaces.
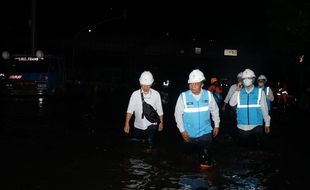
pixel 75 143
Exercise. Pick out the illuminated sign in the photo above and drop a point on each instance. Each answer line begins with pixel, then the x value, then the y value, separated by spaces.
pixel 230 52
pixel 197 50
pixel 28 58
pixel 14 77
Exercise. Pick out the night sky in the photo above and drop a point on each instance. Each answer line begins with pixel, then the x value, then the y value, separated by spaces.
pixel 59 19
pixel 277 28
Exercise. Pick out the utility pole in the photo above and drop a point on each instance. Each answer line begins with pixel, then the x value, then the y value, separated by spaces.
pixel 33 28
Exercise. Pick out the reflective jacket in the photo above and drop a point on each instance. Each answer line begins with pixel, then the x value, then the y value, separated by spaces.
pixel 248 108
pixel 196 116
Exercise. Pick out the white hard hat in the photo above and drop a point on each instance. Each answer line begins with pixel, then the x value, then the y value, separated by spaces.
pixel 262 77
pixel 196 76
pixel 248 73
pixel 146 78
pixel 239 76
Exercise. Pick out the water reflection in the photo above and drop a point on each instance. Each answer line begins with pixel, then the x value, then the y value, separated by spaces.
pixel 141 174
pixel 35 123
pixel 246 169
pixel 193 181
pixel 154 169
pixel 40 105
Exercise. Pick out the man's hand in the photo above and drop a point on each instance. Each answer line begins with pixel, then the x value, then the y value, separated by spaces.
pixel 160 126
pixel 224 107
pixel 186 136
pixel 239 86
pixel 216 131
pixel 267 129
pixel 126 128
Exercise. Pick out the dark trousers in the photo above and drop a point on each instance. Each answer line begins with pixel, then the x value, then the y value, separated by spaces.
pixel 252 138
pixel 200 146
pixel 232 117
pixel 148 135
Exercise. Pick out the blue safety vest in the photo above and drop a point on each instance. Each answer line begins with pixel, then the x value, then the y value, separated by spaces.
pixel 196 116
pixel 248 108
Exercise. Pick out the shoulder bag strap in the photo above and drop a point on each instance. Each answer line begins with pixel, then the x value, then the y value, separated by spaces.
pixel 142 115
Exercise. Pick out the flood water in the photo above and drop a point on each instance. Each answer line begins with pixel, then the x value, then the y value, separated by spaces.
pixel 77 143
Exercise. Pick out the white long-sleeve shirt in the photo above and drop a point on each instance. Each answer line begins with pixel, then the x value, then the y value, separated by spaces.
pixel 179 110
pixel 231 90
pixel 135 106
pixel 234 101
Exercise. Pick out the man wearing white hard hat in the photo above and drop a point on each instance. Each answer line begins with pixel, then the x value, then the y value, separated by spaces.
pixel 261 81
pixel 143 128
pixel 252 110
pixel 193 112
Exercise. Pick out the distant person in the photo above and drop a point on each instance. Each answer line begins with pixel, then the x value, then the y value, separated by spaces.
pixel 216 90
pixel 252 110
pixel 282 95
pixel 229 113
pixel 193 112
pixel 232 89
pixel 143 128
pixel 261 81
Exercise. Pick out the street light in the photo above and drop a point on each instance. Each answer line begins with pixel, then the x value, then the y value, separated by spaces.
pixel 88 28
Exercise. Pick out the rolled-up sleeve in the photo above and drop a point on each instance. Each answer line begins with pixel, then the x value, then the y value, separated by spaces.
pixel 159 106
pixel 230 93
pixel 132 104
pixel 234 99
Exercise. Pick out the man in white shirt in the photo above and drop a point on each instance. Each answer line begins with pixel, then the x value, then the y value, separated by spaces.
pixel 229 113
pixel 193 112
pixel 143 128
pixel 232 89
pixel 252 110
